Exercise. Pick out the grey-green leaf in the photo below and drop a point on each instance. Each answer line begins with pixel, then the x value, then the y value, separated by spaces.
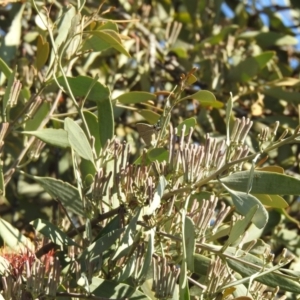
pixel 272 279
pixel 155 203
pixel 49 230
pixel 244 202
pixel 95 250
pixel 55 137
pixel 113 290
pixel 128 237
pixel 264 183
pixel 13 238
pixel 148 258
pixel 78 140
pixel 240 227
pixel 189 238
pixel 62 191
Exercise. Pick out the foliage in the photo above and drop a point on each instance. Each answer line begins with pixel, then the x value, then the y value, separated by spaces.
pixel 146 146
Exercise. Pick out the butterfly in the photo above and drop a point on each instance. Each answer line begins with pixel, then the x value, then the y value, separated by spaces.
pixel 147 132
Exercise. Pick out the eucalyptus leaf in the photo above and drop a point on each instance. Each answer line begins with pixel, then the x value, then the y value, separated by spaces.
pixel 105 121
pixel 128 237
pixel 5 68
pixel 244 202
pixel 264 183
pixel 135 97
pixel 150 116
pixel 158 154
pixel 239 227
pixel 34 122
pixel 67 194
pixel 55 234
pixel 92 123
pixel 114 290
pixel 188 123
pixel 274 201
pixel 95 250
pixel 155 203
pixel 14 239
pixel 55 137
pixel 63 25
pixel 250 67
pixel 189 240
pixel 84 86
pixel 148 257
pixel 112 39
pixel 42 52
pixel 128 268
pixel 246 268
pixel 5 266
pixel 184 293
pixel 78 140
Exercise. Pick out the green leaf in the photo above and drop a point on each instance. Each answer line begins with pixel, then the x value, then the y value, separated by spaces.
pixel 189 240
pixel 135 97
pixel 205 98
pixel 5 267
pixel 192 8
pixel 92 123
pixel 2 183
pixel 239 227
pixel 113 290
pixel 42 52
pixel 201 264
pixel 268 39
pixel 14 239
pixel 78 140
pixel 158 154
pixel 150 116
pixel 55 234
pixel 244 202
pixel 97 45
pixel 7 96
pixel 264 183
pixel 111 38
pixel 250 67
pixel 220 37
pixel 189 123
pixel 109 25
pixel 5 68
pixel 114 223
pixel 281 93
pixel 84 86
pixel 272 279
pixel 55 137
pixel 128 269
pixel 240 266
pixel 148 257
pixel 183 283
pixel 96 249
pixel 155 203
pixel 34 122
pixel 274 201
pixel 63 25
pixel 228 118
pixel 105 121
pixel 128 237
pixel 67 194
